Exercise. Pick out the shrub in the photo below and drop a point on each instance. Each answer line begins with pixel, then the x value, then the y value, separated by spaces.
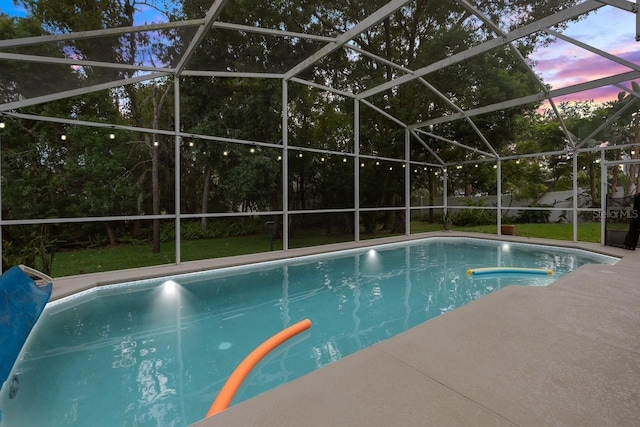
pixel 216 228
pixel 473 217
pixel 535 217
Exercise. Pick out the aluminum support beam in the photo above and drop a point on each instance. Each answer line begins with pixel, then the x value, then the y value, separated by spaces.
pixel 603 196
pixel 230 74
pixel 356 168
pixel 609 120
pixel 636 10
pixel 445 190
pixel 384 113
pixel 620 4
pixel 524 31
pixel 458 144
pixel 429 149
pixel 270 32
pixel 459 110
pixel 371 20
pixel 574 179
pixel 378 58
pixel 470 8
pixel 499 196
pixel 631 91
pixel 177 173
pixel 323 87
pixel 80 62
pixel 75 92
pixel 93 34
pixel 285 165
pixel 212 15
pixel 149 130
pixel 407 183
pixel 592 49
pixel 606 81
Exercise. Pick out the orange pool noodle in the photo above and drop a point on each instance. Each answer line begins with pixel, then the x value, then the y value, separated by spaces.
pixel 234 382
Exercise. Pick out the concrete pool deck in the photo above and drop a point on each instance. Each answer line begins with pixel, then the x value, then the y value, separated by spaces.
pixel 563 355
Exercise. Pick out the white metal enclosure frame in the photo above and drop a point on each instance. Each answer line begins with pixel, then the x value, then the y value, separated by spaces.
pixel 416 133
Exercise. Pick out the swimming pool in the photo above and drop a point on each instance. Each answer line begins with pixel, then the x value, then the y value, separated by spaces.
pixel 147 353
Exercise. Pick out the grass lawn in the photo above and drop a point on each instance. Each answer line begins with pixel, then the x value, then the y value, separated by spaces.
pixel 120 257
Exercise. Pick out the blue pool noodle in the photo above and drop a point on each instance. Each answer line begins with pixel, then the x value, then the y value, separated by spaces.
pixel 509 270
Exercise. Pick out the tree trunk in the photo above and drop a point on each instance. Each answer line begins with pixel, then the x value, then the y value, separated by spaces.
pixel 157 111
pixel 614 182
pixel 137 229
pixel 399 224
pixel 110 234
pixel 155 195
pixel 432 189
pixel 595 201
pixel 204 208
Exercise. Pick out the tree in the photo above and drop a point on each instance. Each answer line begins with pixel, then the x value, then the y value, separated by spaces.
pixel 20 80
pixel 131 48
pixel 626 130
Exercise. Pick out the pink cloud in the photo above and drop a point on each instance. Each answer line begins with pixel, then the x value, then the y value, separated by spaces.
pixel 598 95
pixel 562 69
pixel 570 71
pixel 563 64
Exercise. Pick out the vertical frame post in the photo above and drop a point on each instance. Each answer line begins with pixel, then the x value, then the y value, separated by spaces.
pixel 176 119
pixel 637 12
pixel 407 183
pixel 285 165
pixel 356 169
pixel 603 196
pixel 499 196
pixel 445 190
pixel 575 195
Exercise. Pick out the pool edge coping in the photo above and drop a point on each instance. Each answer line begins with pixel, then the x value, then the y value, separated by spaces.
pixel 70 285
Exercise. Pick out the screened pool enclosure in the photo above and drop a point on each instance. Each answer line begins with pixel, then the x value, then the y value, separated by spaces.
pixel 294 122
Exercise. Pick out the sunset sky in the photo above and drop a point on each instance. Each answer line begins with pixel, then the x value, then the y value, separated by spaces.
pixel 562 64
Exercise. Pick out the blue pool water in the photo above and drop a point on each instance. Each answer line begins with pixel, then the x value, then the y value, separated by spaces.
pixel 155 354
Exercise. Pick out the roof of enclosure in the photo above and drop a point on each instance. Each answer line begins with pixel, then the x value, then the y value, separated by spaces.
pixel 169 35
